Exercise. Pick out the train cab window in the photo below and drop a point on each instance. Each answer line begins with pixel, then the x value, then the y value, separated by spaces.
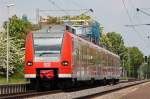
pixel 47 48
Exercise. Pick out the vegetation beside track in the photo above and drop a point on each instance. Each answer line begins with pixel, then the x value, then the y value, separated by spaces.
pixel 16 78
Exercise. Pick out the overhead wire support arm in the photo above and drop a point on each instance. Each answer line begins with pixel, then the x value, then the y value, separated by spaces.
pixel 139 10
pixel 135 25
pixel 68 10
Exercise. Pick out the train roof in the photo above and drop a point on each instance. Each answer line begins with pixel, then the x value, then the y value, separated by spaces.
pixel 50 31
pixel 47 35
pixel 58 31
pixel 53 28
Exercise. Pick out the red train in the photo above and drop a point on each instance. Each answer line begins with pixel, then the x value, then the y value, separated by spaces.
pixel 63 59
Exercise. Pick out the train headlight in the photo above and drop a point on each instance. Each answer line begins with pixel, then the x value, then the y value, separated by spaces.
pixel 29 63
pixel 65 63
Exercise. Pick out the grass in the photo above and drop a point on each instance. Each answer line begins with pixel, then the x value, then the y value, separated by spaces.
pixel 16 78
pixel 12 80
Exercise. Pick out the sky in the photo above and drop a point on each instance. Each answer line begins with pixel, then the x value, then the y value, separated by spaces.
pixel 113 15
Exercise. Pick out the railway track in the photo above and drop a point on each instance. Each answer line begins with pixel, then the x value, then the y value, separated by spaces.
pixel 29 94
pixel 114 88
pixel 85 92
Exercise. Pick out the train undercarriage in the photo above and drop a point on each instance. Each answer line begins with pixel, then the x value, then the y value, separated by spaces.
pixel 44 83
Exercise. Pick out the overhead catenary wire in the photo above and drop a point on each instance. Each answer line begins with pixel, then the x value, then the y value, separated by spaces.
pixel 63 10
pixel 76 4
pixel 130 19
pixel 124 5
pixel 131 22
pixel 53 3
pixel 48 12
pixel 138 19
pixel 146 8
pixel 83 9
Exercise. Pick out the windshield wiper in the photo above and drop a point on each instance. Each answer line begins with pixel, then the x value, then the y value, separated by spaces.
pixel 43 53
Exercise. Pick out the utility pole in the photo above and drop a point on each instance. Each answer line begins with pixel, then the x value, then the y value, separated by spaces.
pixel 129 62
pixel 37 17
pixel 7 62
pixel 148 63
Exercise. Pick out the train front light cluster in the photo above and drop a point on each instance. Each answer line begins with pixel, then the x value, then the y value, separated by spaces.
pixel 29 63
pixel 65 63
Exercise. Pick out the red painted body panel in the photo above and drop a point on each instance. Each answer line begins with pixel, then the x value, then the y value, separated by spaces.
pixel 66 53
pixel 65 56
pixel 29 48
pixel 28 53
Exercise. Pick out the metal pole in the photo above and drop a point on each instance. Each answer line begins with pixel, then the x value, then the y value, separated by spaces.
pixel 147 73
pixel 131 71
pixel 7 61
pixel 37 16
pixel 123 70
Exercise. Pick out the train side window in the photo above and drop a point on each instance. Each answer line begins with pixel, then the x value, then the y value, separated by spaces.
pixel 106 60
pixel 87 57
pixel 115 62
pixel 82 54
pixel 73 31
pixel 99 58
pixel 112 61
pixel 67 28
pixel 102 56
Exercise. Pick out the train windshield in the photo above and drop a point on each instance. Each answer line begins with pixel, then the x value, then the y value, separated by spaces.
pixel 47 48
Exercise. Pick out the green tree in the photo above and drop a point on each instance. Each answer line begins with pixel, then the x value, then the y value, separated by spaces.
pixel 104 41
pixel 145 68
pixel 148 67
pixel 114 42
pixel 136 60
pixel 18 30
pixel 15 55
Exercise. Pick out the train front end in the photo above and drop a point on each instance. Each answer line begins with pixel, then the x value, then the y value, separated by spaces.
pixel 47 58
